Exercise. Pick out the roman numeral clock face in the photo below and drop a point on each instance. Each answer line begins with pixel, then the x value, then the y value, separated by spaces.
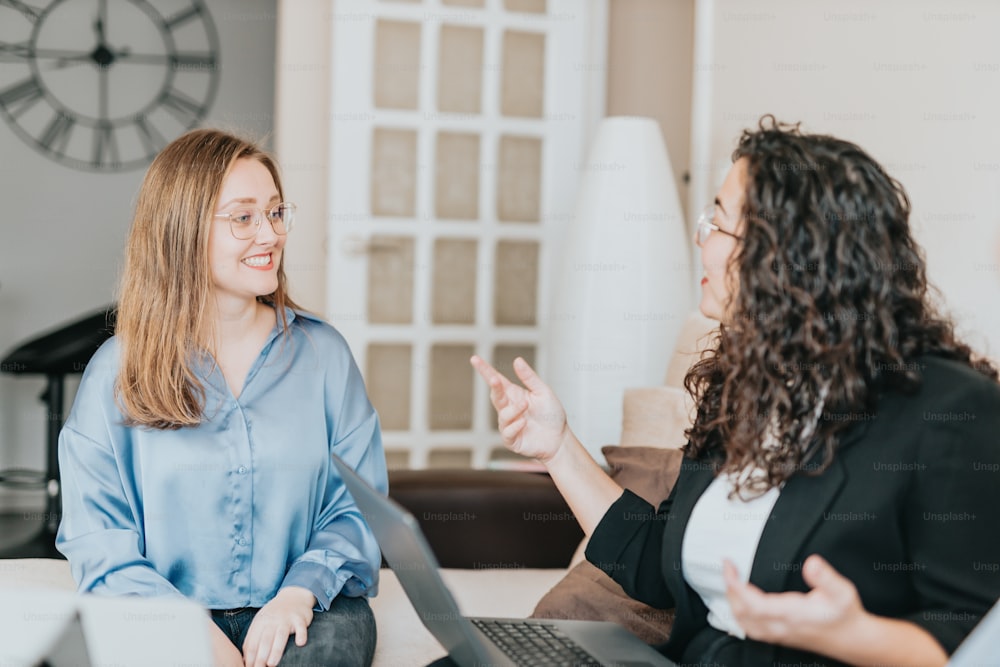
pixel 103 85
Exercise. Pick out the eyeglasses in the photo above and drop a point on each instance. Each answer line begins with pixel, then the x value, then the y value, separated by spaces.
pixel 705 226
pixel 244 222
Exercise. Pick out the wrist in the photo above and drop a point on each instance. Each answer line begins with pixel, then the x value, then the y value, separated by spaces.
pixel 862 628
pixel 870 639
pixel 297 594
pixel 566 440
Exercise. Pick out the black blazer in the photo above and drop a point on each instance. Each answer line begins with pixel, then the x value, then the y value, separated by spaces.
pixel 909 510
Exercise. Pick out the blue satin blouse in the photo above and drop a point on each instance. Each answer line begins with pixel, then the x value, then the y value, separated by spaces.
pixel 229 511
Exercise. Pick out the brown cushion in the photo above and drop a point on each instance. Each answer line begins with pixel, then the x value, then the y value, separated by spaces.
pixel 648 472
pixel 586 593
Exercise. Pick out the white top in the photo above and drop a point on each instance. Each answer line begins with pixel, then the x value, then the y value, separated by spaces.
pixel 722 528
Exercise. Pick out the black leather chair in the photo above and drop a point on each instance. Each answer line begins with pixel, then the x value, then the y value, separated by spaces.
pixel 55 355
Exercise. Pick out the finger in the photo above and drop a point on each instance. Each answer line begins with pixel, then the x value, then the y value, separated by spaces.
pixel 512 430
pixel 260 655
pixel 498 384
pixel 785 608
pixel 528 376
pixel 264 639
pixel 511 412
pixel 743 595
pixel 277 648
pixel 735 589
pixel 301 634
pixel 818 573
pixel 250 647
pixel 486 371
pixel 730 574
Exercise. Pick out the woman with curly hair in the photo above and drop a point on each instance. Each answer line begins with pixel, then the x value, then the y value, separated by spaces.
pixel 836 502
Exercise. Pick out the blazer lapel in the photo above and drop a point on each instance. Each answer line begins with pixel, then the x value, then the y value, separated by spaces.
pixel 695 477
pixel 800 506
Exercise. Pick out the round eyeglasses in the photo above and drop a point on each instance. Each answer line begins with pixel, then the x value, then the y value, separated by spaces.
pixel 705 226
pixel 244 222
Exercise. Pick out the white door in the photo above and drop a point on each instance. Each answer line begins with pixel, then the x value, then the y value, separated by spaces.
pixel 457 132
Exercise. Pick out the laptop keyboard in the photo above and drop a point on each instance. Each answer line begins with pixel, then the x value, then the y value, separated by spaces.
pixel 535 644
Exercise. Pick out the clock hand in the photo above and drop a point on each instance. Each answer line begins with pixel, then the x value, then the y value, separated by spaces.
pixel 102 75
pixel 46 53
pixel 63 63
pixel 18 51
pixel 102 14
pixel 144 58
pixel 192 60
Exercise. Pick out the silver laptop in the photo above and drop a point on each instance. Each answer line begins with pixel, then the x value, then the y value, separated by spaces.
pixel 982 647
pixel 477 642
pixel 62 629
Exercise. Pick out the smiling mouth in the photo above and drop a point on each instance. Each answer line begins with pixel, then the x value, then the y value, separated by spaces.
pixel 258 261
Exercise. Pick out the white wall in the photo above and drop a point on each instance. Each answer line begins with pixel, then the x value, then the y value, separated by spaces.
pixel 914 82
pixel 650 68
pixel 63 230
pixel 301 132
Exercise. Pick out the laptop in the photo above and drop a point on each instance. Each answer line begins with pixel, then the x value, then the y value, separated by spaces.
pixel 980 648
pixel 478 642
pixel 64 629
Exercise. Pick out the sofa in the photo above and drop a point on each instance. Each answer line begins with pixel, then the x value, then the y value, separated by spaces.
pixel 506 541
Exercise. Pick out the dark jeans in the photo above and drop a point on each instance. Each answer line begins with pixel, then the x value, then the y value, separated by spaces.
pixel 342 636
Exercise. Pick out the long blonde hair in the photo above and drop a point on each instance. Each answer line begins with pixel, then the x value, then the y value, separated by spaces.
pixel 166 282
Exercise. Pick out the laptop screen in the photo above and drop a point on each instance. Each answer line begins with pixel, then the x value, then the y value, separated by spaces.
pixel 411 558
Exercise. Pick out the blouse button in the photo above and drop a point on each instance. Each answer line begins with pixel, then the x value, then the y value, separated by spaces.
pixel 242 470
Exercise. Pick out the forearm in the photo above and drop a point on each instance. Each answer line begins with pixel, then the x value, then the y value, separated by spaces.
pixel 878 640
pixel 107 562
pixel 587 489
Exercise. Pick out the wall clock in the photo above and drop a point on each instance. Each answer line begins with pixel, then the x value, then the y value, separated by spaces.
pixel 103 85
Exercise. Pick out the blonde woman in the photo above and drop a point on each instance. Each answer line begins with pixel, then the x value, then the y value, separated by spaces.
pixel 196 459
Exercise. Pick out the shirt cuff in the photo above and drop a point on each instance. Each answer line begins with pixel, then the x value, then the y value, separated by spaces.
pixel 318 579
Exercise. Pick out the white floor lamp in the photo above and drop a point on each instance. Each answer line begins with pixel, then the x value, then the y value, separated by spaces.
pixel 623 286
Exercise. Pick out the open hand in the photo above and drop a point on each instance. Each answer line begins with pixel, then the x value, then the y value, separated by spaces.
pixel 290 611
pixel 800 620
pixel 531 420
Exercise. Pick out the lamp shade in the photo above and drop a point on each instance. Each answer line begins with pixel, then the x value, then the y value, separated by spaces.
pixel 623 283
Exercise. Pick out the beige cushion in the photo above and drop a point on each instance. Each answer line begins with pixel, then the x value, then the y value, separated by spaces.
pixel 694 338
pixel 656 417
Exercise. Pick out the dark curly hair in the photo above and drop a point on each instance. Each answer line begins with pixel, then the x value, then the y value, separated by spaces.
pixel 832 307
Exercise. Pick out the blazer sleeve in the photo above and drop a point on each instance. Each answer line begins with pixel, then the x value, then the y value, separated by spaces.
pixel 628 546
pixel 953 511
